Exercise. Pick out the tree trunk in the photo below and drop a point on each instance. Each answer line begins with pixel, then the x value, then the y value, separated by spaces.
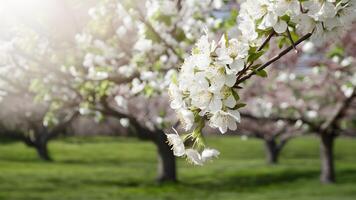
pixel 327 158
pixel 272 151
pixel 166 159
pixel 41 146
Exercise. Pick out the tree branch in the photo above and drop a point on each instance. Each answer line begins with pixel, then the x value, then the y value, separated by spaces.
pixel 339 112
pixel 290 120
pixel 273 33
pixel 274 59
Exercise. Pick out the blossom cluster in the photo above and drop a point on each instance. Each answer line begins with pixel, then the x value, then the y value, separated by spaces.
pixel 166 33
pixel 205 84
pixel 144 63
pixel 206 88
pixel 325 18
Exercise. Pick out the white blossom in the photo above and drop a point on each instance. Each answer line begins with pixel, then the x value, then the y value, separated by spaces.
pixel 125 122
pixel 177 144
pixel 225 120
pixel 209 154
pixel 194 157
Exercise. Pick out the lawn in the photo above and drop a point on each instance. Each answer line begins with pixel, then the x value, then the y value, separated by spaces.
pixel 119 168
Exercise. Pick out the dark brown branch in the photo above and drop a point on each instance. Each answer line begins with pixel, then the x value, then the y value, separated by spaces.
pixel 291 40
pixel 290 120
pixel 339 112
pixel 247 67
pixel 264 44
pixel 274 59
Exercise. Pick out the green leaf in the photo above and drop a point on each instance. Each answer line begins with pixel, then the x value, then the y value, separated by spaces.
pixel 281 42
pixel 226 39
pixel 231 21
pixel 336 51
pixel 179 34
pixel 254 67
pixel 166 19
pixel 285 18
pixel 261 73
pixel 240 105
pixel 255 56
pixel 236 96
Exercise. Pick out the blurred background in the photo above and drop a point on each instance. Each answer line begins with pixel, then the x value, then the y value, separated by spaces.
pixel 84 107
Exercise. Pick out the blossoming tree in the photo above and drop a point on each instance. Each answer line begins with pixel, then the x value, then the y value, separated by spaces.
pixel 207 87
pixel 101 75
pixel 137 71
pixel 24 118
pixel 326 105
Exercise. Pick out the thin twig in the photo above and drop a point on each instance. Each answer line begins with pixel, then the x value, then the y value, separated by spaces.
pixel 274 59
pixel 291 40
pixel 267 40
pixel 247 67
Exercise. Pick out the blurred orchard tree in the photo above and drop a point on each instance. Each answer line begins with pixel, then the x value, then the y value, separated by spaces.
pixel 313 93
pixel 118 66
pixel 211 78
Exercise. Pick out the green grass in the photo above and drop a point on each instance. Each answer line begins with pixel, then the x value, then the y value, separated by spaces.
pixel 119 168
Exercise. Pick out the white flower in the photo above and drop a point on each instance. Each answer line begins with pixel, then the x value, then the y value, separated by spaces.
pixel 347 90
pixel 88 60
pixel 194 157
pixel 121 102
pixel 304 23
pixel 228 97
pixel 223 55
pixel 262 108
pixel 281 26
pixel 218 4
pixel 204 46
pixel 83 40
pixel 347 61
pixel 238 49
pixel 121 31
pixel 218 77
pixel 308 47
pixel 283 7
pixel 187 118
pixel 312 114
pixel 176 96
pixel 327 11
pixel 205 97
pixel 137 86
pixel 143 45
pixel 148 76
pixel 84 111
pixel 209 154
pixel 177 144
pixel 207 101
pixel 272 20
pixel 235 67
pixel 225 120
pixel 201 60
pixel 126 70
pixel 247 28
pixel 125 122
